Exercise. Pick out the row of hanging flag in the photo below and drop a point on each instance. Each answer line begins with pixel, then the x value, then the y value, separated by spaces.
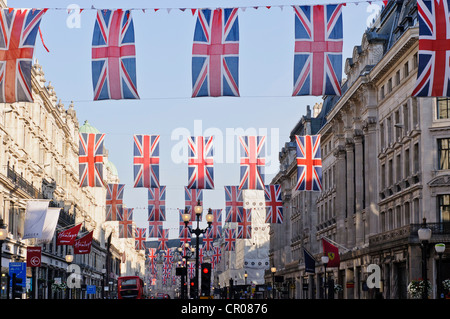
pixel 215 52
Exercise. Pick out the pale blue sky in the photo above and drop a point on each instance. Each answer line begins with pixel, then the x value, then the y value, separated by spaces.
pixel 164 45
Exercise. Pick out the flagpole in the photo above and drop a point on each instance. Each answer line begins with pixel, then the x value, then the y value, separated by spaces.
pixel 335 243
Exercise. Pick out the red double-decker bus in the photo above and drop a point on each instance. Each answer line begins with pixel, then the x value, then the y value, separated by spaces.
pixel 130 287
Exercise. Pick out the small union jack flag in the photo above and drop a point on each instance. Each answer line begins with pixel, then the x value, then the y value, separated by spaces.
pixel 216 226
pixel 217 255
pixel 318 50
pixel 208 240
pixel 163 237
pixel 274 204
pixel 126 223
pixel 146 160
pixel 309 163
pixel 114 201
pixel 230 239
pixel 90 159
pixel 215 53
pixel 18 32
pixel 191 270
pixel 154 227
pixel 168 256
pixel 140 236
pixel 244 229
pixel 191 198
pixel 157 204
pixel 433 74
pixel 252 162
pixel 233 202
pixel 114 56
pixel 200 162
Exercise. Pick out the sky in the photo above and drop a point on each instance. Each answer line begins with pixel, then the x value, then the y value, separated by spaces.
pixel 163 61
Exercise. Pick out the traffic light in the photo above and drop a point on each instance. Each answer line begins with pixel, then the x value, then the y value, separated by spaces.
pixel 206 279
pixel 194 287
pixel 16 287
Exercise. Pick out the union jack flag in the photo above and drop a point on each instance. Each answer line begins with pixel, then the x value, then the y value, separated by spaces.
pixel 146 160
pixel 274 204
pixel 168 256
pixel 208 239
pixel 230 239
pixel 90 159
pixel 433 74
pixel 318 50
pixel 163 237
pixel 191 198
pixel 154 227
pixel 126 223
pixel 191 270
pixel 309 163
pixel 200 162
pixel 17 38
pixel 114 201
pixel 157 204
pixel 252 162
pixel 114 56
pixel 244 229
pixel 140 236
pixel 215 53
pixel 216 226
pixel 233 202
pixel 217 255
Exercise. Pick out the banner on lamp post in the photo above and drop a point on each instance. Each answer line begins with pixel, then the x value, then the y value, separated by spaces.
pixel 34 256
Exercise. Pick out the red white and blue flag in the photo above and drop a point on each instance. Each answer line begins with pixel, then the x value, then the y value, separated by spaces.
pixel 168 256
pixel 233 202
pixel 216 225
pixel 146 160
pixel 230 239
pixel 191 198
pixel 126 223
pixel 140 236
pixel 433 74
pixel 208 239
pixel 157 204
pixel 274 204
pixel 163 237
pixel 318 50
pixel 114 56
pixel 252 162
pixel 19 28
pixel 191 270
pixel 90 159
pixel 244 228
pixel 200 162
pixel 309 163
pixel 217 255
pixel 215 53
pixel 114 201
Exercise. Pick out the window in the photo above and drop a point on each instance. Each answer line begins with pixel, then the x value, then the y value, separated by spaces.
pixel 444 207
pixel 382 136
pixel 382 92
pixel 443 153
pixel 443 108
pixel 405 118
pixel 416 158
pixel 407 169
pixel 397 77
pixel 406 69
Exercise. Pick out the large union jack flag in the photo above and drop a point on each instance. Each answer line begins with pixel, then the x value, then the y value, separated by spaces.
pixel 17 38
pixel 200 162
pixel 252 162
pixel 114 56
pixel 318 50
pixel 215 53
pixel 146 160
pixel 309 163
pixel 191 199
pixel 230 239
pixel 126 223
pixel 244 226
pixel 140 236
pixel 274 204
pixel 90 159
pixel 157 204
pixel 233 202
pixel 114 201
pixel 433 74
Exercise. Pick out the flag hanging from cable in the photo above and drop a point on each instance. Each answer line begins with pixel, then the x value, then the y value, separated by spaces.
pixel 146 160
pixel 90 159
pixel 200 162
pixel 309 163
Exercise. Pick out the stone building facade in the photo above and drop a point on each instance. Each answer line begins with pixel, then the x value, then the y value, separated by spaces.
pixel 385 168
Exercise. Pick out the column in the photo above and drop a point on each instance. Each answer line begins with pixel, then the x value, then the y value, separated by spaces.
pixel 371 173
pixel 349 148
pixel 341 199
pixel 359 188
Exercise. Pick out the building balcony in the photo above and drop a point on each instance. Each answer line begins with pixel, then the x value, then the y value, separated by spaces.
pixel 23 184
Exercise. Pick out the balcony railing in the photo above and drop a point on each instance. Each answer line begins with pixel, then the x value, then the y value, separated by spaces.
pixel 23 184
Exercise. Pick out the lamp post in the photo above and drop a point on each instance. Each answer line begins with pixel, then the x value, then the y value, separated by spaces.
pixel 184 259
pixel 325 261
pixel 69 260
pixel 273 270
pixel 440 248
pixel 3 234
pixel 424 234
pixel 197 231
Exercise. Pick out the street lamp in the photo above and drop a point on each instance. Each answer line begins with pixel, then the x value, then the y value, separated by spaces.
pixel 198 210
pixel 69 260
pixel 184 259
pixel 440 248
pixel 424 234
pixel 273 270
pixel 325 261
